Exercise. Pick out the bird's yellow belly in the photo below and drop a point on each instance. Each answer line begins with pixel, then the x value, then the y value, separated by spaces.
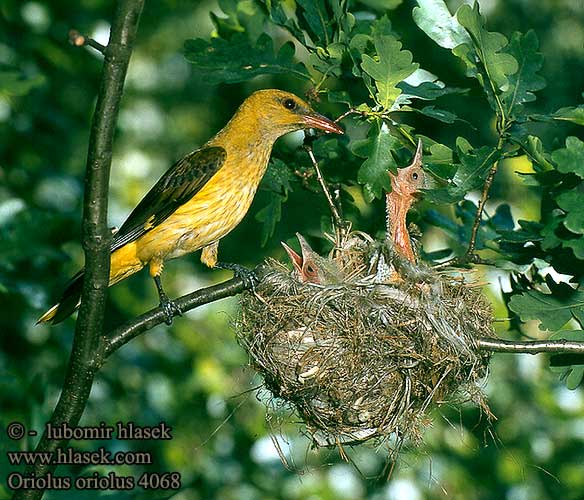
pixel 205 219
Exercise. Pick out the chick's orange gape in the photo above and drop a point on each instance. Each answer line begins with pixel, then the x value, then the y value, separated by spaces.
pixel 202 197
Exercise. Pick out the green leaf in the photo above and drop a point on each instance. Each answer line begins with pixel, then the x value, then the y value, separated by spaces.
pixel 525 81
pixel 422 84
pixel 577 246
pixel 573 220
pixel 277 177
pixel 390 66
pixel 344 20
pixel 549 233
pixel 236 60
pixel 241 16
pixel 328 61
pixel 468 175
pixel 490 228
pixel 15 84
pixel 314 18
pixel 533 148
pixel 269 216
pixel 373 173
pixel 571 202
pixel 440 161
pixel 434 19
pixel 529 232
pixel 487 47
pixel 438 114
pixel 427 91
pixel 571 158
pixel 381 27
pixel 473 170
pixel 552 310
pixel 340 96
pixel 574 114
pixel 282 13
pixel 570 367
pixel 382 5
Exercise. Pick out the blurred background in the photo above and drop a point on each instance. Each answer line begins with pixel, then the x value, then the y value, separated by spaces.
pixel 193 375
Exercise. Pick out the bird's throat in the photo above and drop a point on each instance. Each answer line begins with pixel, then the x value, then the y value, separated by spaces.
pixel 397 210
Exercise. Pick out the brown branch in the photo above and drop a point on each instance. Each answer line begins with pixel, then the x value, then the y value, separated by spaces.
pixel 351 111
pixel 115 339
pixel 79 40
pixel 477 222
pixel 96 237
pixel 531 347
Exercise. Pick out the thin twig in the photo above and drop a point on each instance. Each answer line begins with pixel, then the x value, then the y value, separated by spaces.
pixel 531 347
pixel 79 40
pixel 338 222
pixel 338 201
pixel 351 111
pixel 479 215
pixel 96 239
pixel 464 261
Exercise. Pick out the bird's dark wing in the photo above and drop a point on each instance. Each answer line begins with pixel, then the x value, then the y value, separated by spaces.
pixel 177 186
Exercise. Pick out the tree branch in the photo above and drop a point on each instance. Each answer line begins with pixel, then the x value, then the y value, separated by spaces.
pixel 115 339
pixel 79 40
pixel 96 236
pixel 530 347
pixel 483 200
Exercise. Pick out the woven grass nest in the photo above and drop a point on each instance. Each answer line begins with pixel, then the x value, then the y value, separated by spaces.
pixel 366 358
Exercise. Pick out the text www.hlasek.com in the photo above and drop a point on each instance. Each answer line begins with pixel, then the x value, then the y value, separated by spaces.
pixel 69 456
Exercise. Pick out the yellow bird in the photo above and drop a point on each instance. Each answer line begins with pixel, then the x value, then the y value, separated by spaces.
pixel 202 197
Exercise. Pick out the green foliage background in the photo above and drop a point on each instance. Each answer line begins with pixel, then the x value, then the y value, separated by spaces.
pixel 193 375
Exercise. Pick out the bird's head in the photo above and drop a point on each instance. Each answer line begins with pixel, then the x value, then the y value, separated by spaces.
pixel 409 181
pixel 310 267
pixel 276 112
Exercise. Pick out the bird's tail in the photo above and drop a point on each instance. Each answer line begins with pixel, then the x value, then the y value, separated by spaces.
pixel 69 302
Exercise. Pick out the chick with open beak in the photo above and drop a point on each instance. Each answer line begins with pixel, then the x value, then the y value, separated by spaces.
pixel 310 267
pixel 406 185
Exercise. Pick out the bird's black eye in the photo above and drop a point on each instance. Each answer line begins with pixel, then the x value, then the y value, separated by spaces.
pixel 289 104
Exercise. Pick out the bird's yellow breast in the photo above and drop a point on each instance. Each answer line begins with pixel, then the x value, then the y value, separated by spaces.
pixel 212 213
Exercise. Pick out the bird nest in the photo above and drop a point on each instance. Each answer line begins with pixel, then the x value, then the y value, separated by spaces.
pixel 365 359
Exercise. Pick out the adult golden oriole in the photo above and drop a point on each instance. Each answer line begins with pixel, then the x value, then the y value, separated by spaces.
pixel 202 197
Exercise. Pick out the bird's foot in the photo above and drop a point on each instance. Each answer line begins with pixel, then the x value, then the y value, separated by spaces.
pixel 249 277
pixel 170 309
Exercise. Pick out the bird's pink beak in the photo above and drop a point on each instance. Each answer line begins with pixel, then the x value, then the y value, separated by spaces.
pixel 298 260
pixel 315 120
pixel 294 257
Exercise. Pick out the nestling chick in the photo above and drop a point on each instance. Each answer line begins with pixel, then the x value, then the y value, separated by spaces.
pixel 311 267
pixel 405 187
